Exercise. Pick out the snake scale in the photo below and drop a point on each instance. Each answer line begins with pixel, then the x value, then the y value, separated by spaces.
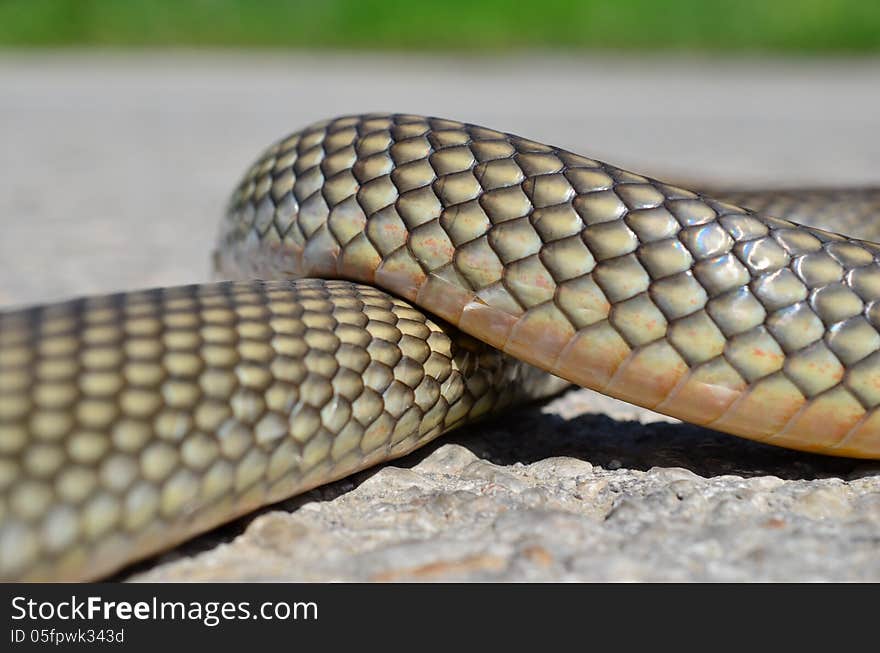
pixel 131 422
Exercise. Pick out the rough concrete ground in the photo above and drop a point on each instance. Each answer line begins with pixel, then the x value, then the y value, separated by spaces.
pixel 114 168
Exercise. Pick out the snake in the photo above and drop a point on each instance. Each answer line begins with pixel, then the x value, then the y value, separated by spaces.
pixel 384 278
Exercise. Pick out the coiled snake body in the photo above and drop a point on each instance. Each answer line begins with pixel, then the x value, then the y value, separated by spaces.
pixel 133 421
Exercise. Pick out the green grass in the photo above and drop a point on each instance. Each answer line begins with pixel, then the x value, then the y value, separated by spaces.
pixel 453 25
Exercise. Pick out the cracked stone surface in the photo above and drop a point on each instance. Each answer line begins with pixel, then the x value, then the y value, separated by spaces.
pixel 140 152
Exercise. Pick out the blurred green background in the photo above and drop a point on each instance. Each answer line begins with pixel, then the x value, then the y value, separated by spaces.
pixel 797 26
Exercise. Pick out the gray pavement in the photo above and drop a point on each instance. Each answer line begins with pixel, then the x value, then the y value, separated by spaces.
pixel 114 169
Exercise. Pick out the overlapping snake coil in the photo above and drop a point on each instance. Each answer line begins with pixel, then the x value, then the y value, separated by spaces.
pixel 131 422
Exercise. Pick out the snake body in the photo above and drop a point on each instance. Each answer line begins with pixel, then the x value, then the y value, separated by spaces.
pixel 131 422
